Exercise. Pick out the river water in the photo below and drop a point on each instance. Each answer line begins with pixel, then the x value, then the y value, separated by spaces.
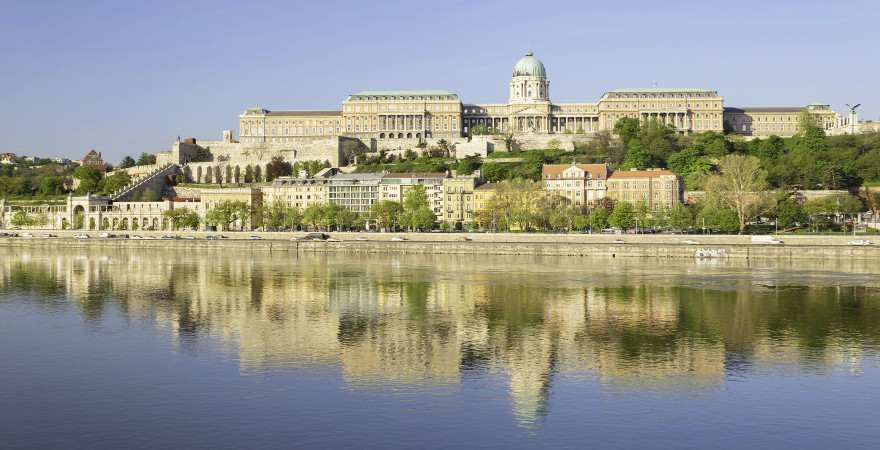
pixel 218 349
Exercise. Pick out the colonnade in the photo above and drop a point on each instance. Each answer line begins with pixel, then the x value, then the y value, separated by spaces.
pixel 680 120
pixel 574 124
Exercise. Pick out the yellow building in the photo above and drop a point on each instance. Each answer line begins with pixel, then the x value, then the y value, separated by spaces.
pixel 658 188
pixel 778 121
pixel 296 192
pixel 581 184
pixel 258 125
pixel 252 197
pixel 458 199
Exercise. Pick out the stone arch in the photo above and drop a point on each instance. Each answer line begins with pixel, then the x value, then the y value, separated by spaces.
pixel 145 223
pixel 218 175
pixel 155 225
pixel 267 172
pixel 115 223
pixel 199 174
pixel 64 223
pixel 399 135
pixel 228 174
pixel 164 224
pixel 105 223
pixel 381 135
pixel 123 224
pixel 208 176
pixel 249 174
pixel 237 174
pixel 409 135
pixel 91 223
pixel 418 135
pixel 187 174
pixel 258 173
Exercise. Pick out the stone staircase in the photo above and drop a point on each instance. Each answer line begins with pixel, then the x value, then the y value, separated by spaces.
pixel 154 180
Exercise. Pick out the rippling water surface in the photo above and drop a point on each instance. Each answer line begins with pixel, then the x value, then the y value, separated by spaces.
pixel 219 349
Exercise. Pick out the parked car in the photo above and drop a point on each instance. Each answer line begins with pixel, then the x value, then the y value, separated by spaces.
pixel 189 238
pixel 167 236
pixel 105 235
pixel 27 235
pixel 398 238
pixel 690 242
pixel 137 237
pixel 860 242
pixel 81 236
pixel 254 237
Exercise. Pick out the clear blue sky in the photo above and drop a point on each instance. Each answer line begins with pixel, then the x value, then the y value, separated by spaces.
pixel 127 77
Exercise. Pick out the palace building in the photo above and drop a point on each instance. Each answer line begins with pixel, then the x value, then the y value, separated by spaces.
pixel 400 119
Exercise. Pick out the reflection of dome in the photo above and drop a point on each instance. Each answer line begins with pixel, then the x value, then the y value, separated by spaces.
pixel 529 66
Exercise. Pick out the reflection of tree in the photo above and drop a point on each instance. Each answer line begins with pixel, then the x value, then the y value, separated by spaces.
pixel 426 319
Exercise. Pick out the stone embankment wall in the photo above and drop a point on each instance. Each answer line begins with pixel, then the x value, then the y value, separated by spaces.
pixel 644 246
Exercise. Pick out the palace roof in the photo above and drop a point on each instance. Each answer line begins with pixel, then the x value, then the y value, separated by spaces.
pixel 406 93
pixel 599 171
pixel 649 173
pixel 305 113
pixel 416 175
pixel 770 109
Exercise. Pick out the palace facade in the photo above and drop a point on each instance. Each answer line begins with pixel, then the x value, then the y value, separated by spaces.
pixel 400 119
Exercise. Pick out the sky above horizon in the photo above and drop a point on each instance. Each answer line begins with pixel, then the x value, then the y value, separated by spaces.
pixel 129 77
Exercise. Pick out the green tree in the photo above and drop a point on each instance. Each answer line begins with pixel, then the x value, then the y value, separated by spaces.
pixel 227 213
pixel 182 218
pixel 51 186
pixel 680 217
pixel 599 219
pixel 387 214
pixel 312 215
pixel 623 216
pixel 468 165
pixel 717 217
pixel 127 162
pixel 789 213
pixel 21 219
pixel 278 167
pixel 110 184
pixel 146 159
pixel 627 129
pixel 417 213
pixel 88 179
pixel 740 186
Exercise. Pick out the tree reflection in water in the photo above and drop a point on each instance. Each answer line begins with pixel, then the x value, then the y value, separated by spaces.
pixel 433 319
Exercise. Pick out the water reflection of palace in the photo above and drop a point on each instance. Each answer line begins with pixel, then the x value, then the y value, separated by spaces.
pixel 428 320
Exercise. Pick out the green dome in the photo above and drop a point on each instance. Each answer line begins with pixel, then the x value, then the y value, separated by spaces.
pixel 529 66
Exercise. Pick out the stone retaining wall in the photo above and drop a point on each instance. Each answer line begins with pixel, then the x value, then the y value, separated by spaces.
pixel 707 250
